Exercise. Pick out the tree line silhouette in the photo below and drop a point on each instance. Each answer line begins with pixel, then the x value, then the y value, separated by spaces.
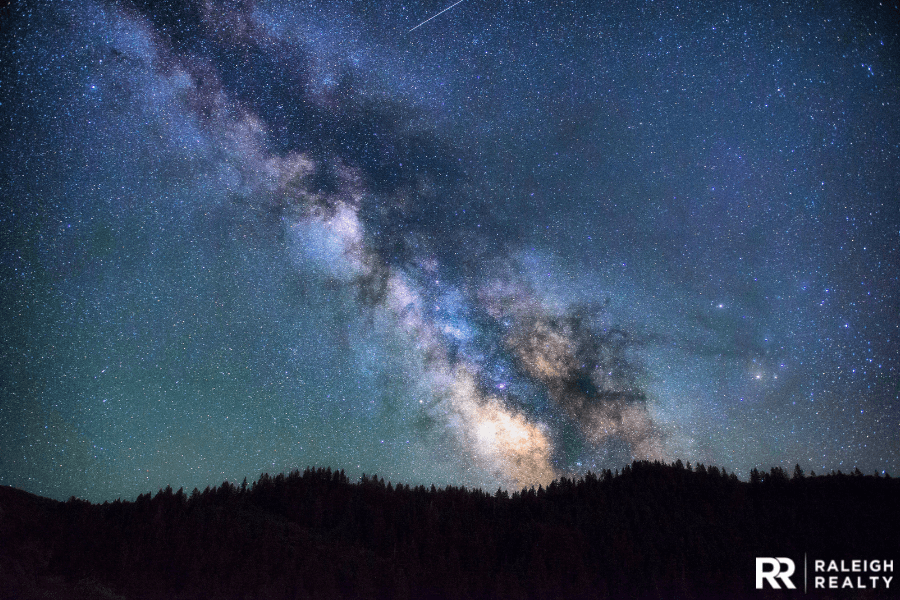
pixel 650 531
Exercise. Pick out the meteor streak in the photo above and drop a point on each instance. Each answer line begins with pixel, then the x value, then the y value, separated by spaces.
pixel 437 15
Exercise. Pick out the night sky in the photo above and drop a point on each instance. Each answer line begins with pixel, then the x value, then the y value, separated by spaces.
pixel 521 241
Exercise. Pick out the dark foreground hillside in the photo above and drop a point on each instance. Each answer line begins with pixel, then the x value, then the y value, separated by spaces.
pixel 653 531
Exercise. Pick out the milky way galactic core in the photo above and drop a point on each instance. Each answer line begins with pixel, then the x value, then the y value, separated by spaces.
pixel 487 246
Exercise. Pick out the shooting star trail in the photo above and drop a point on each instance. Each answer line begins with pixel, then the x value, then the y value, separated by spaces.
pixel 437 15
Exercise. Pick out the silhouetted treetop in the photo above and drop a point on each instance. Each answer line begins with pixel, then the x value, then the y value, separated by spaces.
pixel 653 530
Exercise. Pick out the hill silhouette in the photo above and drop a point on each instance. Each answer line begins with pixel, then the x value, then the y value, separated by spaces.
pixel 651 531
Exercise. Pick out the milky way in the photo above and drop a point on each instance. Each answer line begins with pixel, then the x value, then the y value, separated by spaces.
pixel 511 244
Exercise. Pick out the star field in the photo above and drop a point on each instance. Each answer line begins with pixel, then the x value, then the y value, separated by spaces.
pixel 518 242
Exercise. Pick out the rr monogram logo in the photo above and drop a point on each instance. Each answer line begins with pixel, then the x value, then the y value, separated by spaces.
pixel 772 569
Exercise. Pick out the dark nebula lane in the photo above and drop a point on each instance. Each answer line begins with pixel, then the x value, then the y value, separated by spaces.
pixel 488 249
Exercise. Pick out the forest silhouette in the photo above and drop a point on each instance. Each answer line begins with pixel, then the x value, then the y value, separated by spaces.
pixel 650 531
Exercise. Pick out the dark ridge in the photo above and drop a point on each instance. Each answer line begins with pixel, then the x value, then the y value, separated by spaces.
pixel 651 531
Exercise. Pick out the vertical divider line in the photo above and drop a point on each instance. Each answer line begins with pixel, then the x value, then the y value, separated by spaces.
pixel 804 572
